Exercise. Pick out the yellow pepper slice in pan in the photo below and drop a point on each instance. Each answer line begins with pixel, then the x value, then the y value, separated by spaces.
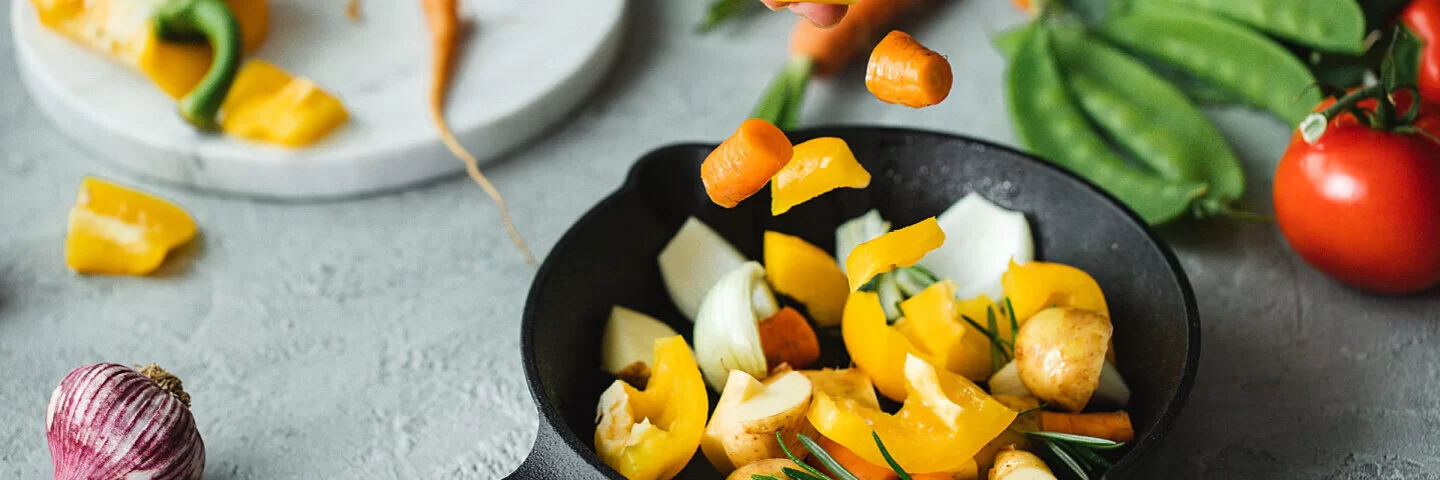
pixel 876 348
pixel 651 434
pixel 900 248
pixel 816 166
pixel 932 322
pixel 121 231
pixel 808 274
pixel 943 423
pixel 1035 286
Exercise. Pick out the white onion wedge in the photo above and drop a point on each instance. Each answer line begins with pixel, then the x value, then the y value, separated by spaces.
pixel 694 259
pixel 1113 393
pixel 981 239
pixel 1006 381
pixel 726 333
pixel 627 349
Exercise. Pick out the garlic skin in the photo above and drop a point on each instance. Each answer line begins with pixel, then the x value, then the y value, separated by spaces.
pixel 108 421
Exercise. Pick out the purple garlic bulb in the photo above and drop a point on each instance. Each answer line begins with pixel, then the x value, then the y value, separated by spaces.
pixel 110 422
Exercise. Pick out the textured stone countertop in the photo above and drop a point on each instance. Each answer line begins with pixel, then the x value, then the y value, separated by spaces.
pixel 378 338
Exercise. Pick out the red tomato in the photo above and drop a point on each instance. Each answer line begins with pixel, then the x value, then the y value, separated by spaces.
pixel 1422 18
pixel 1363 205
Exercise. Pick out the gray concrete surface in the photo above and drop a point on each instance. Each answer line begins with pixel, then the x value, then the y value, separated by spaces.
pixel 378 338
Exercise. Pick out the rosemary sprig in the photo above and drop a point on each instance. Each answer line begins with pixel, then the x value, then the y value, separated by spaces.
pixel 1079 453
pixel 811 473
pixel 825 458
pixel 797 461
pixel 888 459
pixel 1033 409
pixel 1014 324
pixel 1000 349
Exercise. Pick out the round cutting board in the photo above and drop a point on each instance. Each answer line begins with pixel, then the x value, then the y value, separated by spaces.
pixel 523 66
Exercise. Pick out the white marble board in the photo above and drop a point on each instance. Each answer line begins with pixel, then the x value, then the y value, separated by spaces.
pixel 525 65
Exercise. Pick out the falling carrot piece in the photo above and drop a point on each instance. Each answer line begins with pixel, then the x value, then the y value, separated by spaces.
pixel 829 49
pixel 1113 426
pixel 787 338
pixel 443 19
pixel 745 162
pixel 352 10
pixel 826 2
pixel 903 71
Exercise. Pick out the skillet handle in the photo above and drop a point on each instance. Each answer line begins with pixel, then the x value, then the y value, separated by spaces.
pixel 551 458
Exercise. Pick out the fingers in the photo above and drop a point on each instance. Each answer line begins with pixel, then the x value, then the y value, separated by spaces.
pixel 820 15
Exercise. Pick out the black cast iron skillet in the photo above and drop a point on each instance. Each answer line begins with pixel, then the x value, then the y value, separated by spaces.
pixel 608 258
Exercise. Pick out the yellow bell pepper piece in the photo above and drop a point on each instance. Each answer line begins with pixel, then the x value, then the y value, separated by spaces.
pixel 122 30
pixel 267 104
pixel 808 274
pixel 817 166
pixel 1035 286
pixel 932 322
pixel 651 434
pixel 120 231
pixel 900 248
pixel 877 348
pixel 943 423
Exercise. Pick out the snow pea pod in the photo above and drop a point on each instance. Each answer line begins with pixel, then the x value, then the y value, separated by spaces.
pixel 1050 124
pixel 1329 25
pixel 1227 55
pixel 1150 117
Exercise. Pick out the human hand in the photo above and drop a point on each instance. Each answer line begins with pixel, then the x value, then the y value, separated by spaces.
pixel 822 15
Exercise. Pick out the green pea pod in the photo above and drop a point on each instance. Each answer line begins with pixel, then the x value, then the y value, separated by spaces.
pixel 1053 127
pixel 1254 68
pixel 1151 118
pixel 1329 25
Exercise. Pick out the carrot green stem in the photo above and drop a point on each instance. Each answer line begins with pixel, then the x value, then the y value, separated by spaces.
pixel 782 100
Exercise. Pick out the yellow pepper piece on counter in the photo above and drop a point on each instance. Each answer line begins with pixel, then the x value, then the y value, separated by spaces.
pixel 1035 286
pixel 900 248
pixel 122 29
pixel 817 166
pixel 120 231
pixel 877 348
pixel 267 104
pixel 808 274
pixel 943 423
pixel 651 434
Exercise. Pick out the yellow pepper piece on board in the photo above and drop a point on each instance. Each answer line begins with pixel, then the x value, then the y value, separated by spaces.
pixel 943 423
pixel 267 104
pixel 816 167
pixel 120 231
pixel 122 30
pixel 877 348
pixel 651 434
pixel 900 248
pixel 808 274
pixel 1035 286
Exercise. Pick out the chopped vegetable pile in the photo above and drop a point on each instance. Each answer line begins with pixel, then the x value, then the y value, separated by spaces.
pixel 988 360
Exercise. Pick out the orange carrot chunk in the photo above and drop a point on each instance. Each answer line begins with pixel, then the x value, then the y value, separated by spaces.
pixel 786 337
pixel 831 48
pixel 903 71
pixel 1113 426
pixel 744 163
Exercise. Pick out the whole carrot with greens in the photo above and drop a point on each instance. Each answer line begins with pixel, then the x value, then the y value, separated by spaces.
pixel 904 72
pixel 823 51
pixel 443 19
